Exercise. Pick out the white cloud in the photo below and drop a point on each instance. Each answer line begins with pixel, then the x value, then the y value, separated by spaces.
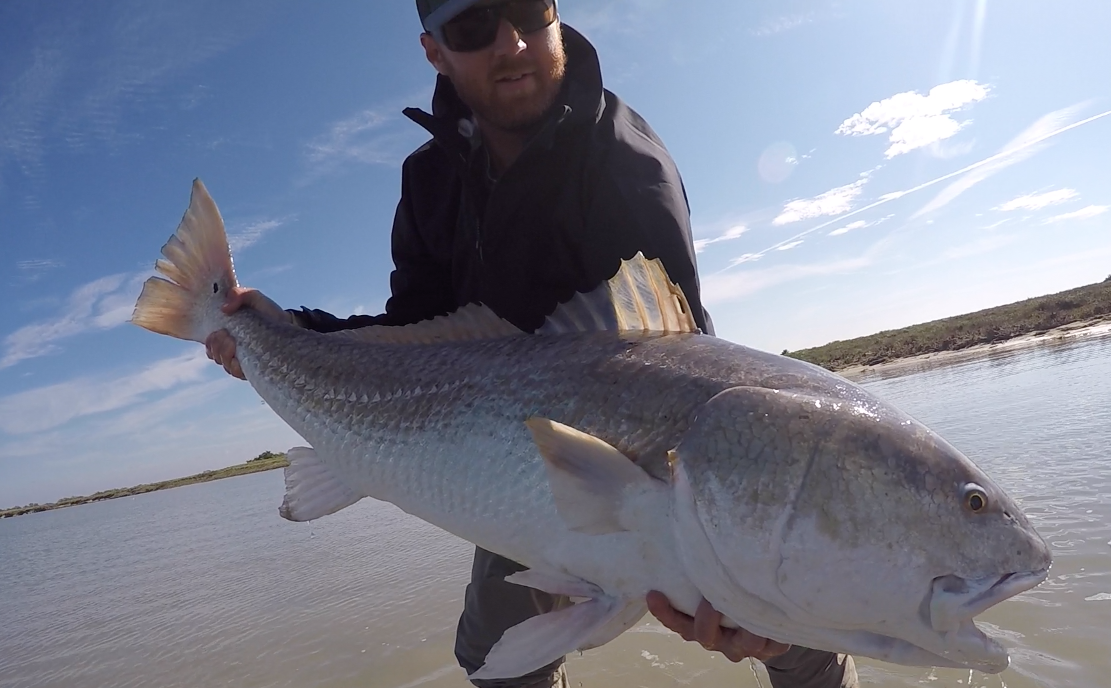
pixel 370 137
pixel 37 265
pixel 745 258
pixel 43 408
pixel 833 202
pixel 33 270
pixel 77 75
pixel 775 25
pixel 859 224
pixel 1017 150
pixel 789 245
pixel 978 247
pixel 99 305
pixel 722 288
pixel 729 235
pixel 1082 214
pixel 242 238
pixel 914 120
pixel 1038 201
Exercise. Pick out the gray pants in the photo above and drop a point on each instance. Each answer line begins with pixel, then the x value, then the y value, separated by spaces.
pixel 491 606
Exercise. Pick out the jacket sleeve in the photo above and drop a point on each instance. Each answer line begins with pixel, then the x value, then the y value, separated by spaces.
pixel 420 285
pixel 636 202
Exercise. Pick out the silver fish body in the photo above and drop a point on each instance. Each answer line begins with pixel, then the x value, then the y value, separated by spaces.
pixel 616 460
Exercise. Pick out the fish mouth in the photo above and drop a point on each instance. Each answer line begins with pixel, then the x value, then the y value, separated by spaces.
pixel 954 600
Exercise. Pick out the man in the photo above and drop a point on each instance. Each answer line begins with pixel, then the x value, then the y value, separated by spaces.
pixel 536 184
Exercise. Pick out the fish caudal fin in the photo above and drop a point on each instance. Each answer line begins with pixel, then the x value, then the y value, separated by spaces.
pixel 311 489
pixel 639 298
pixel 198 268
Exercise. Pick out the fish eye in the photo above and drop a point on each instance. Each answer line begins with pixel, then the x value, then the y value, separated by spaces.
pixel 975 498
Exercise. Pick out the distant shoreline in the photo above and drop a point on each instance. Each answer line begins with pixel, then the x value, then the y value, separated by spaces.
pixel 1076 312
pixel 1073 331
pixel 267 461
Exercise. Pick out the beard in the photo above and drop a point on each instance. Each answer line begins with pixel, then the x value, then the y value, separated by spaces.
pixel 521 111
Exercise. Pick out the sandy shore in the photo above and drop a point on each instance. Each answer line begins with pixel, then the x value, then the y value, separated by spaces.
pixel 1064 333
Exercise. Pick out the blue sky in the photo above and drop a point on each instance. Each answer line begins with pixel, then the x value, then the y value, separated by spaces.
pixel 852 166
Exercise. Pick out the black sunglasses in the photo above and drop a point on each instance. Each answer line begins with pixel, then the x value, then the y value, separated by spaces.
pixel 477 27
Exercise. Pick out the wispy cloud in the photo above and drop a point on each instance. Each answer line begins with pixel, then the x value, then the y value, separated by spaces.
pixel 1082 214
pixel 33 270
pixel 915 120
pixel 859 224
pixel 378 135
pixel 1038 201
pixel 241 238
pixel 790 245
pixel 1024 143
pixel 978 247
pixel 729 235
pixel 48 407
pixel 99 305
pixel 775 25
pixel 1021 148
pixel 722 288
pixel 833 202
pixel 79 72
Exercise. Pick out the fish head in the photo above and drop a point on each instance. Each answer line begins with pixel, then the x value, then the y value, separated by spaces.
pixel 845 524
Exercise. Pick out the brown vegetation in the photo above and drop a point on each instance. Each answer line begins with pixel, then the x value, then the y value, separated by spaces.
pixel 263 462
pixel 1029 317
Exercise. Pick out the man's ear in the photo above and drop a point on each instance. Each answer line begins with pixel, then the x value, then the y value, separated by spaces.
pixel 434 53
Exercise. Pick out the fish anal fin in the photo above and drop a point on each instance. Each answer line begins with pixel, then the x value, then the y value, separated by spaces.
pixel 639 298
pixel 589 478
pixel 311 489
pixel 542 639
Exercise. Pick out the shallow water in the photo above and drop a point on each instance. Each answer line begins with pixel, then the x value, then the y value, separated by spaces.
pixel 206 585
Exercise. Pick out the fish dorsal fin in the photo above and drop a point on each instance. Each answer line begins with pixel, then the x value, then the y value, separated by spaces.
pixel 639 298
pixel 469 323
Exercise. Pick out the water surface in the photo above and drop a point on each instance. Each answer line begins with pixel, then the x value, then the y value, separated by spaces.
pixel 205 585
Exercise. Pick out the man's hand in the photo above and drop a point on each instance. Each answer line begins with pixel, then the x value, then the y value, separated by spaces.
pixel 706 628
pixel 220 346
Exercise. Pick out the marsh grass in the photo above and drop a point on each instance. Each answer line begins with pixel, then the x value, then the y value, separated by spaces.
pixel 1079 307
pixel 265 461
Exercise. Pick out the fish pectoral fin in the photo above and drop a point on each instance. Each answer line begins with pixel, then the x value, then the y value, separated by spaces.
pixel 587 475
pixel 543 639
pixel 311 489
pixel 555 583
pixel 625 618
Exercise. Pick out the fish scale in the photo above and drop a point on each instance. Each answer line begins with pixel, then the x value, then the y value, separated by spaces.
pixel 618 451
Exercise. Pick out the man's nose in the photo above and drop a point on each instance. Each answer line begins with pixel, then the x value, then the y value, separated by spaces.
pixel 509 41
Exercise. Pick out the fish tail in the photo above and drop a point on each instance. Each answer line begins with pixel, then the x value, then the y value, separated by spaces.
pixel 198 272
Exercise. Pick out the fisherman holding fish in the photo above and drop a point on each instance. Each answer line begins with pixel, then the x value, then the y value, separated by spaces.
pixel 536 184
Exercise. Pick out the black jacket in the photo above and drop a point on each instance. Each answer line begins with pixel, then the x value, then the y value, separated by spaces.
pixel 593 187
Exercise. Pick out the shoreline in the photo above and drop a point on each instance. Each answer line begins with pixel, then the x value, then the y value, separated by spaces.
pixel 268 461
pixel 1072 331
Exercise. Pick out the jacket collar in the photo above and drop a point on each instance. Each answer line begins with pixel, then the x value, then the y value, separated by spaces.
pixel 581 100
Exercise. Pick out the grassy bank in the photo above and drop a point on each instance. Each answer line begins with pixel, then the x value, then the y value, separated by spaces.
pixel 265 461
pixel 1030 317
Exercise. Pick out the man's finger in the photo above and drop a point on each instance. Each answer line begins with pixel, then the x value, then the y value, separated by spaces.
pixel 234 369
pixel 233 301
pixel 669 616
pixel 707 626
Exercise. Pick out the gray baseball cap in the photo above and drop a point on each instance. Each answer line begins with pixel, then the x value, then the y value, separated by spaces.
pixel 435 13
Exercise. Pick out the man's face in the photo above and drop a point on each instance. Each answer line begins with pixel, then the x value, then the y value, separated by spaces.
pixel 511 83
